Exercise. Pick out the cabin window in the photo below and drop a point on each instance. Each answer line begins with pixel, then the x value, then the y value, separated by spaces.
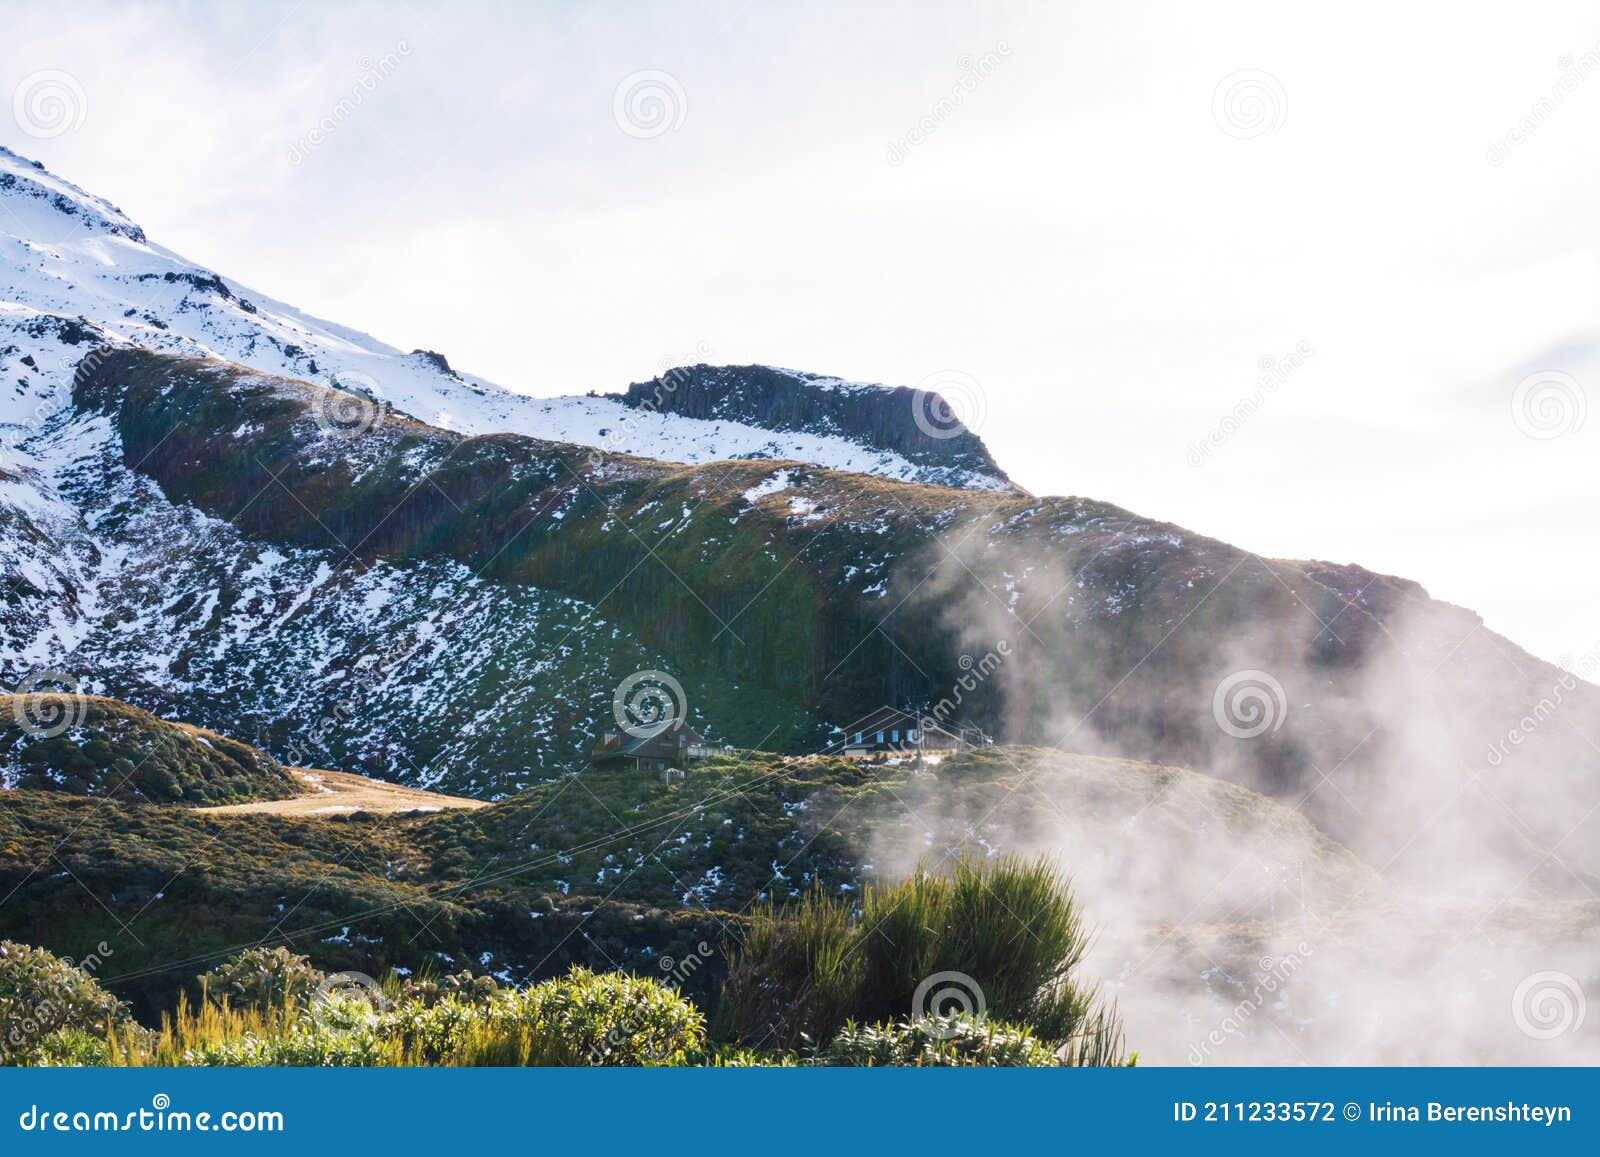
pixel 911 736
pixel 858 737
pixel 894 736
pixel 880 737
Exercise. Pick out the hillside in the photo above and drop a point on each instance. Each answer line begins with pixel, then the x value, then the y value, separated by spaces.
pixel 607 868
pixel 214 507
pixel 377 588
pixel 90 746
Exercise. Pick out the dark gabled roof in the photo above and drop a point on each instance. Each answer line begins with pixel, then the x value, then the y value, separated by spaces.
pixel 657 745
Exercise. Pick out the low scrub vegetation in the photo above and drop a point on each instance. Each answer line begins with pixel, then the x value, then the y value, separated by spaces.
pixel 1000 935
pixel 813 975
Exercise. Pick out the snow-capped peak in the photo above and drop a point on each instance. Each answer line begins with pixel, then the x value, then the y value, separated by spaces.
pixel 75 271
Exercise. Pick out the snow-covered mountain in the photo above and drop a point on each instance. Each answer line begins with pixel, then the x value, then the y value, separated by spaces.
pixel 180 528
pixel 69 258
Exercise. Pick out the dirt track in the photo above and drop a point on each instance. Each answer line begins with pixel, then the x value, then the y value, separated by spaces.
pixel 339 793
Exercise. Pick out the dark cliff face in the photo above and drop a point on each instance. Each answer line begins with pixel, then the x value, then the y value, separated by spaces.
pixel 879 417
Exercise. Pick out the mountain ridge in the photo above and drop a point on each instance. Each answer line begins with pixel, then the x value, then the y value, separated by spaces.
pixel 69 254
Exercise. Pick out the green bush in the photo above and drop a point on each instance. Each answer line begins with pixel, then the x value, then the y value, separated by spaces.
pixel 585 1018
pixel 50 1009
pixel 952 1041
pixel 1008 930
pixel 262 978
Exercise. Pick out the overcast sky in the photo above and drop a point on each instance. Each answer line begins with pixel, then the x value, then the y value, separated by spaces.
pixel 1116 223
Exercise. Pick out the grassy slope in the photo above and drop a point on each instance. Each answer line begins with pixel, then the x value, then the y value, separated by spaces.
pixel 108 748
pixel 606 868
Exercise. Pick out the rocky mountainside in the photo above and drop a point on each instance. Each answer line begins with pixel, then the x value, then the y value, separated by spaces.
pixel 357 567
pixel 69 258
pixel 919 427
